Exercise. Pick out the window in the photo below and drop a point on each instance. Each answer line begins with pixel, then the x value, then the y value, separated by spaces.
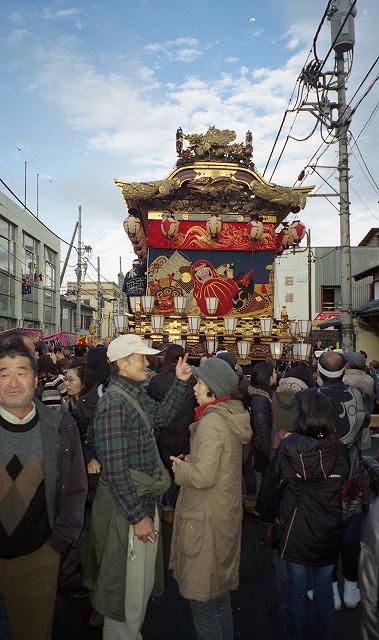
pixel 50 261
pixel 7 246
pixel 49 285
pixel 30 272
pixel 330 298
pixel 7 295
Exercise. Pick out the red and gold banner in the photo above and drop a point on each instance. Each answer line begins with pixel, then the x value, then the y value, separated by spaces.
pixel 233 236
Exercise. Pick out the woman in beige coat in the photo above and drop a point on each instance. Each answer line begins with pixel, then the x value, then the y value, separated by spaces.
pixel 205 550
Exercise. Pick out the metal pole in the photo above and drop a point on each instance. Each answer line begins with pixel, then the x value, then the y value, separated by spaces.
pixel 343 177
pixel 99 301
pixel 68 254
pixel 79 278
pixel 309 257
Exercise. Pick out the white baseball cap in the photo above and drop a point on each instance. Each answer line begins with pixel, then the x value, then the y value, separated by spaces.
pixel 126 345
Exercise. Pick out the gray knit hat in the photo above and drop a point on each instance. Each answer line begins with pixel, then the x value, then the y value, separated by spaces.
pixel 217 375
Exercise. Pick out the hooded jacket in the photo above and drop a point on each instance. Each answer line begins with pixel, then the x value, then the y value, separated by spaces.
pixel 206 541
pixel 312 473
pixel 284 402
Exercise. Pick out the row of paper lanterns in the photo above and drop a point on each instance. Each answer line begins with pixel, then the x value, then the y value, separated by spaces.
pixel 290 235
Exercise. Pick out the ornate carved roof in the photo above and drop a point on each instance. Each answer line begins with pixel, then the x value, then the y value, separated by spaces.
pixel 214 176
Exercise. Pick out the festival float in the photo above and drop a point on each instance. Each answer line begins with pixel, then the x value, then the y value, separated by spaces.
pixel 205 239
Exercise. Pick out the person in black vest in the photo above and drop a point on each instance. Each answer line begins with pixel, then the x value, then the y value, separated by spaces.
pixel 44 487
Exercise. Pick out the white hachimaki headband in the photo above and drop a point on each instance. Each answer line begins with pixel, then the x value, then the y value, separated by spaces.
pixel 329 374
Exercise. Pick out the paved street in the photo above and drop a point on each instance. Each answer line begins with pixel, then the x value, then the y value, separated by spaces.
pixel 257 605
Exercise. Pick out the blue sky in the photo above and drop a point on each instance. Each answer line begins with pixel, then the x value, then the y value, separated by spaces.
pixel 93 91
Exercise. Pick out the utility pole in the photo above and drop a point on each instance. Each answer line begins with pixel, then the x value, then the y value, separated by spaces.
pixel 99 303
pixel 78 271
pixel 344 206
pixel 341 15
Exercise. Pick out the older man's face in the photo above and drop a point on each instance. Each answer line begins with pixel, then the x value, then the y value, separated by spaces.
pixel 134 367
pixel 18 383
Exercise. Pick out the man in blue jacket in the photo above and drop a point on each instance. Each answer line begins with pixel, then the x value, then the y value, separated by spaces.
pixel 43 488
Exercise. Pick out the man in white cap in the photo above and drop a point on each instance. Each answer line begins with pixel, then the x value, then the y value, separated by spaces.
pixel 352 419
pixel 121 567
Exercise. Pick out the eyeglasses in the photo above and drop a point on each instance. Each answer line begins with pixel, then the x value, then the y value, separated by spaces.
pixel 66 379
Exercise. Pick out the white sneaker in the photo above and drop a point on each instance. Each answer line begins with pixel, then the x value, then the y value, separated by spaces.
pixel 336 597
pixel 351 594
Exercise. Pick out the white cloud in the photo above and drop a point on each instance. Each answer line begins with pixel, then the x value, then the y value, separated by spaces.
pixel 180 50
pixel 50 13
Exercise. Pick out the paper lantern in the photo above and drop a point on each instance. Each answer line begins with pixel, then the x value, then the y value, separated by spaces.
pixel 297 230
pixel 133 227
pixel 214 226
pixel 169 226
pixel 285 238
pixel 255 229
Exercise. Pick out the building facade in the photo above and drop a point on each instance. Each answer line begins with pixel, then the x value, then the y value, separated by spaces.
pixel 102 300
pixel 308 283
pixel 29 271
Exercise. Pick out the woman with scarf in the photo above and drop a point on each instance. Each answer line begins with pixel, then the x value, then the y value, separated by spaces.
pixel 205 549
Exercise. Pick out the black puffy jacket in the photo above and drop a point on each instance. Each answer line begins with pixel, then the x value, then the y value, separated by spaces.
pixel 311 473
pixel 261 421
pixel 173 438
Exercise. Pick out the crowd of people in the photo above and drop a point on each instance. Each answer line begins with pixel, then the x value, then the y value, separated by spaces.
pixel 100 444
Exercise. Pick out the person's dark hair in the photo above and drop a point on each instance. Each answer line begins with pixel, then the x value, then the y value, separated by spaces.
pixel 80 350
pixel 316 416
pixel 86 376
pixel 154 362
pixel 41 347
pixel 58 350
pixel 332 361
pixel 301 372
pixel 12 351
pixel 46 367
pixel 260 376
pixel 16 338
pixel 171 357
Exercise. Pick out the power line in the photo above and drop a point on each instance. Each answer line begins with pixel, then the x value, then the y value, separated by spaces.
pixel 31 212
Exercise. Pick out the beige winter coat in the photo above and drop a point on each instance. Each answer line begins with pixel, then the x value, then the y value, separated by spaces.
pixel 206 541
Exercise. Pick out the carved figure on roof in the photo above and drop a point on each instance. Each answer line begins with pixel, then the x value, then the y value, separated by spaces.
pixel 284 196
pixel 146 190
pixel 215 186
pixel 215 143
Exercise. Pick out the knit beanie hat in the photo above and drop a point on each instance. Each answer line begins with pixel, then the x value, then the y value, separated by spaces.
pixel 217 375
pixel 227 357
pixel 97 361
pixel 302 372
